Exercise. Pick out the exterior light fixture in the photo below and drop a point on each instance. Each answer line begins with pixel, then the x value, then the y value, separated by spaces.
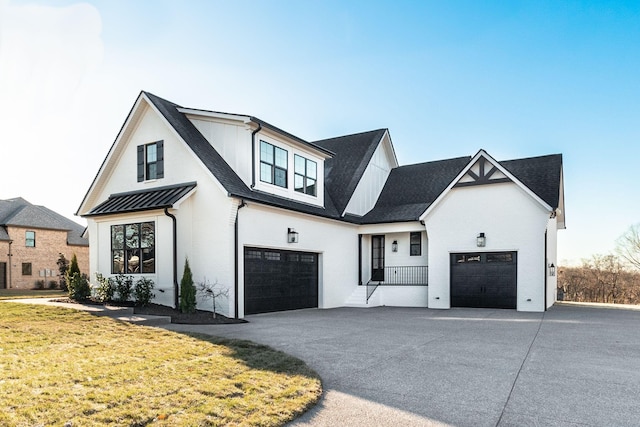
pixel 292 236
pixel 394 246
pixel 481 241
pixel 552 270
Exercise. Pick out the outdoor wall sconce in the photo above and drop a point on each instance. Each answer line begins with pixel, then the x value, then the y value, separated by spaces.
pixel 552 270
pixel 481 241
pixel 292 236
pixel 394 246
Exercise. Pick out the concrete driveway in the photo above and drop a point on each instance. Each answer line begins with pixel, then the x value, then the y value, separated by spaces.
pixel 571 366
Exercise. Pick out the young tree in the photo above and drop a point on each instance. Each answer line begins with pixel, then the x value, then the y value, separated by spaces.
pixel 63 267
pixel 187 290
pixel 628 245
pixel 213 292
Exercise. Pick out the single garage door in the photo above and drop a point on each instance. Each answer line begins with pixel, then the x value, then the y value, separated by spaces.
pixel 484 279
pixel 276 280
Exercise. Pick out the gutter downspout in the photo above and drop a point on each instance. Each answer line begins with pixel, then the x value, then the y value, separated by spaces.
pixel 176 296
pixel 253 158
pixel 236 285
pixel 9 255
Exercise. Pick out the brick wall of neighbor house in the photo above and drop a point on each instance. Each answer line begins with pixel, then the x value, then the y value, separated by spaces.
pixel 49 244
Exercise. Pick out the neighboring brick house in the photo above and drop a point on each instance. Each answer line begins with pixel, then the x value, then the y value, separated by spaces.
pixel 31 239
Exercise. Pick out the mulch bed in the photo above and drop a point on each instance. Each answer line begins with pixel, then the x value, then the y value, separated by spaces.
pixel 200 317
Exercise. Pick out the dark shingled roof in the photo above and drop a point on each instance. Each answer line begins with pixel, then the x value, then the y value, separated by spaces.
pixel 411 189
pixel 221 169
pixel 408 192
pixel 20 213
pixel 143 200
pixel 540 174
pixel 344 170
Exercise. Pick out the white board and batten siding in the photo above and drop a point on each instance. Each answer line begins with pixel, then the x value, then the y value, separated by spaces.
pixel 373 179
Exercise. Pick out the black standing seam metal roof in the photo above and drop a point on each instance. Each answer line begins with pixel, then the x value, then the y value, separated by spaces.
pixel 143 200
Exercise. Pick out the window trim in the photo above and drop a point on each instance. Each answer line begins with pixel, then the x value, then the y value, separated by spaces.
pixel 417 245
pixel 305 177
pixel 273 167
pixel 28 239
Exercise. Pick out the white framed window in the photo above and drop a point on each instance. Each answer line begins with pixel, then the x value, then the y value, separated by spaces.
pixel 273 164
pixel 305 176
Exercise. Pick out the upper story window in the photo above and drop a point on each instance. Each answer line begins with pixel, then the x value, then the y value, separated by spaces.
pixel 151 161
pixel 30 239
pixel 415 244
pixel 305 176
pixel 273 164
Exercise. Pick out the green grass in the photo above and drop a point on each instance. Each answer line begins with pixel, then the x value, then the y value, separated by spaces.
pixel 31 293
pixel 60 365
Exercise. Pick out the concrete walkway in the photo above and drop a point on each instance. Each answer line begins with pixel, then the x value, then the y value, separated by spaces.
pixel 574 365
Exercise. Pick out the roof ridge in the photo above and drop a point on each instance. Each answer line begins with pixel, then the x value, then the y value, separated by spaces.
pixel 352 134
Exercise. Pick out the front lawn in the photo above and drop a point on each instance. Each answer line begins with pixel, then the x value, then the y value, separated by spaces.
pixel 60 365
pixel 32 293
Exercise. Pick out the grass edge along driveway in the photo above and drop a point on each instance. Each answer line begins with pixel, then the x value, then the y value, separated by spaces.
pixel 60 365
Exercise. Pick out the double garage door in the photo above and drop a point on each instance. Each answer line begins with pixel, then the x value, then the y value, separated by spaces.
pixel 277 280
pixel 484 279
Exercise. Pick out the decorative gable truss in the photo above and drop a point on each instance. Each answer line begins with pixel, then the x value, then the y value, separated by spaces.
pixel 480 173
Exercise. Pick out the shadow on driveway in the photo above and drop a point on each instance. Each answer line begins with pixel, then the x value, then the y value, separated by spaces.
pixel 572 365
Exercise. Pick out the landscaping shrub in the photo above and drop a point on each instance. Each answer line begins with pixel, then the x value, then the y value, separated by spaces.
pixel 63 267
pixel 53 284
pixel 78 285
pixel 105 288
pixel 124 287
pixel 187 290
pixel 143 291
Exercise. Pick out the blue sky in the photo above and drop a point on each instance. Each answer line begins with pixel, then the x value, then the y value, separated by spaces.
pixel 447 78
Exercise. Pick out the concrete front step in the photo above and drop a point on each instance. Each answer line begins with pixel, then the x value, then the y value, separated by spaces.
pixel 145 319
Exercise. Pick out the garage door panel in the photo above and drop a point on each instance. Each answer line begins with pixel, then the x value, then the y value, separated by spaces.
pixel 277 280
pixel 484 280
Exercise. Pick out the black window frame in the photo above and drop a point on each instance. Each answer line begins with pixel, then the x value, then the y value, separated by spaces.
pixel 127 242
pixel 272 166
pixel 150 169
pixel 311 190
pixel 415 248
pixel 27 269
pixel 28 239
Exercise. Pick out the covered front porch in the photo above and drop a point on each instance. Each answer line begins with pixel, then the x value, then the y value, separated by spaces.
pixel 392 265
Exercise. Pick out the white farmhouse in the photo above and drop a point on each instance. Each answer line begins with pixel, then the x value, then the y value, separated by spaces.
pixel 285 223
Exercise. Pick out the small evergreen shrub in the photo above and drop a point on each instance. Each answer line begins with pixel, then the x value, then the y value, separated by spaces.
pixel 53 284
pixel 63 267
pixel 105 289
pixel 124 287
pixel 79 288
pixel 187 290
pixel 39 284
pixel 143 291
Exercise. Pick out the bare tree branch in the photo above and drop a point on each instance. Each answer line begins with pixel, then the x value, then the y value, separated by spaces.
pixel 628 245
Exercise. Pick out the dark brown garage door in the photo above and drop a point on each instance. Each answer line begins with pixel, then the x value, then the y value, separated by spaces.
pixel 276 280
pixel 484 279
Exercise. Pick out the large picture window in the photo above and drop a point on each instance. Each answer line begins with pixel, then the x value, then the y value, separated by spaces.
pixel 273 164
pixel 133 248
pixel 305 177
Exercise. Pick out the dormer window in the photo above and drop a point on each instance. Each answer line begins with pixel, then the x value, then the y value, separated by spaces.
pixel 273 164
pixel 151 161
pixel 305 176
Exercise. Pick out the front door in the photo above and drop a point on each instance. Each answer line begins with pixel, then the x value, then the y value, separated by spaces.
pixel 3 275
pixel 377 258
